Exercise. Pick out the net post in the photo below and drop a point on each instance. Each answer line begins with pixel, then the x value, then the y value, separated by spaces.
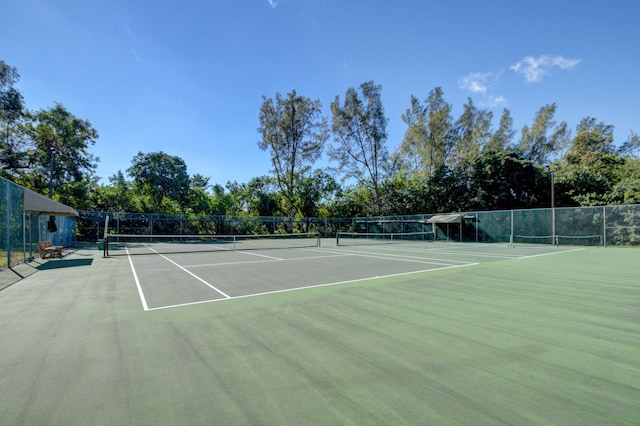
pixel 511 240
pixel 105 237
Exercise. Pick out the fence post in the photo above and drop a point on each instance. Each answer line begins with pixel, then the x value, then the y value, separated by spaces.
pixel 512 229
pixel 604 226
pixel 8 223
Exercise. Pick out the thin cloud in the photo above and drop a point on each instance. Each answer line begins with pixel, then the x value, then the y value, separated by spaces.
pixel 494 101
pixel 272 3
pixel 535 69
pixel 475 82
pixel 482 84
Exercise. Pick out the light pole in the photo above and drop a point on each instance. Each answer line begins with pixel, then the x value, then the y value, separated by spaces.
pixel 553 206
pixel 51 171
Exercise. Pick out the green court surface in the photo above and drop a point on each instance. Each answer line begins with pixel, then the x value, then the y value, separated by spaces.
pixel 425 333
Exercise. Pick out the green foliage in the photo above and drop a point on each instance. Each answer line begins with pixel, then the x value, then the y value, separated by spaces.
pixel 578 185
pixel 593 148
pixel 47 151
pixel 430 135
pixel 472 132
pixel 12 116
pixel 503 180
pixel 117 196
pixel 60 152
pixel 316 190
pixel 545 138
pixel 359 127
pixel 12 138
pixel 406 194
pixel 441 165
pixel 294 131
pixel 198 181
pixel 503 137
pixel 627 189
pixel 162 176
pixel 353 201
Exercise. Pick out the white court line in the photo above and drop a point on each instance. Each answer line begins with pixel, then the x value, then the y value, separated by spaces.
pixel 470 253
pixel 309 287
pixel 549 254
pixel 246 262
pixel 193 275
pixel 135 277
pixel 259 255
pixel 447 250
pixel 339 254
pixel 404 258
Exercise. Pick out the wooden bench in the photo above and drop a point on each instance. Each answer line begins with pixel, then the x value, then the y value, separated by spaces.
pixel 48 250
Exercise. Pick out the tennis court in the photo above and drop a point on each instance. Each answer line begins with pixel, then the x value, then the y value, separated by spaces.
pixel 411 332
pixel 171 272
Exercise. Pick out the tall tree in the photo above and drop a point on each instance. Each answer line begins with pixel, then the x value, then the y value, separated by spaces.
pixel 473 130
pixel 199 181
pixel 441 136
pixel 61 150
pixel 360 128
pixel 430 135
pixel 631 146
pixel 12 113
pixel 503 137
pixel 592 165
pixel 162 177
pixel 294 131
pixel 411 153
pixel 593 144
pixel 540 143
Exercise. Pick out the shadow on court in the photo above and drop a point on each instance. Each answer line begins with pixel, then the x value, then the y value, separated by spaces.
pixel 64 263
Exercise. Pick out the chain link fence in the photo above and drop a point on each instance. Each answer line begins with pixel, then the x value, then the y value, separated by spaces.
pixel 585 226
pixel 20 231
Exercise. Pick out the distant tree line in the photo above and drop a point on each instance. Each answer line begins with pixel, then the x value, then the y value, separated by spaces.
pixel 443 163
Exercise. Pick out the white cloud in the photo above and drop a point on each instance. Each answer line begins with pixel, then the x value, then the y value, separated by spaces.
pixel 482 84
pixel 495 101
pixel 475 82
pixel 272 3
pixel 534 69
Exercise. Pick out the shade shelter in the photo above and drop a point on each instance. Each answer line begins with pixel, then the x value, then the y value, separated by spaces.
pixel 39 204
pixel 448 220
pixel 23 221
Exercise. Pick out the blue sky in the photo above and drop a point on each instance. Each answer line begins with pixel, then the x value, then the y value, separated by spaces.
pixel 187 77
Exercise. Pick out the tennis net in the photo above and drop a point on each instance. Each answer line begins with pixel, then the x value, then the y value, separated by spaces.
pixel 363 238
pixel 579 240
pixel 129 244
pixel 559 240
pixel 532 239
